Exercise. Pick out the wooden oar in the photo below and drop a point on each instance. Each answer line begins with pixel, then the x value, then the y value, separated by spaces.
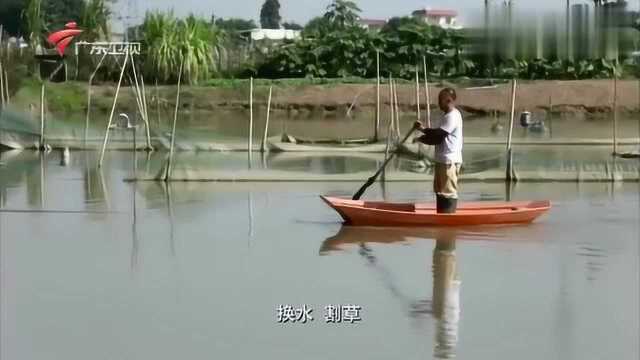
pixel 373 179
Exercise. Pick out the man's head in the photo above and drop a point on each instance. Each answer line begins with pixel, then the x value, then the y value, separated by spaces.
pixel 447 99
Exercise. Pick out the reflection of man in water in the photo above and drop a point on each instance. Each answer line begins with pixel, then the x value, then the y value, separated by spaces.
pixel 446 296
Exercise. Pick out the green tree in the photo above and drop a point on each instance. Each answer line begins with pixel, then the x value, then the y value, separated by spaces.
pixel 316 26
pixel 395 23
pixel 343 13
pixel 292 26
pixel 59 12
pixel 270 15
pixel 95 20
pixel 11 16
pixel 235 24
pixel 34 21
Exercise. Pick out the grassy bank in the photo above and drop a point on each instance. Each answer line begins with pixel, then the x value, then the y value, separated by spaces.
pixel 584 97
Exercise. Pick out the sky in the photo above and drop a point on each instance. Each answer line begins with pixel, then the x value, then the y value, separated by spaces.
pixel 301 11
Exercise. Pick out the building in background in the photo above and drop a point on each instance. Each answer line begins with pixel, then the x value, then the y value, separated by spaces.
pixel 272 34
pixel 444 18
pixel 372 24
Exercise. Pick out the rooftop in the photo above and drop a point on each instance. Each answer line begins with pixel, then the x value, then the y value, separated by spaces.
pixel 435 12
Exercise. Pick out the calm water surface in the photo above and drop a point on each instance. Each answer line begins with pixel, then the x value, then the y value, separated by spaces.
pixel 96 268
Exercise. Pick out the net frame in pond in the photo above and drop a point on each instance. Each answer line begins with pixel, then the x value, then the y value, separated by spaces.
pixel 117 50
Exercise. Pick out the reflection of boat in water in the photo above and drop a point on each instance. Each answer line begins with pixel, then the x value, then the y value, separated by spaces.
pixel 444 305
pixel 353 235
pixel 376 213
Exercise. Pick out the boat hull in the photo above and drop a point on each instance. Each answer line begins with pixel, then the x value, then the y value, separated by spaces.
pixel 368 213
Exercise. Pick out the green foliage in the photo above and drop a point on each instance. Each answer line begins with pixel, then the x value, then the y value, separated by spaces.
pixel 235 24
pixel 337 46
pixel 270 15
pixel 168 41
pixel 316 26
pixel 292 26
pixel 11 16
pixel 342 14
pixel 34 21
pixel 395 23
pixel 59 12
pixel 557 69
pixel 95 20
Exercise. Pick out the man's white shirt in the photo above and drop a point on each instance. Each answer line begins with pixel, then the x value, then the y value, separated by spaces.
pixel 449 151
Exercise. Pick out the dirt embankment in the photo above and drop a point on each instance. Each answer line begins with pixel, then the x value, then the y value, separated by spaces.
pixel 585 97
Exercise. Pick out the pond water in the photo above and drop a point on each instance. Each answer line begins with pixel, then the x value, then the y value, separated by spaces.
pixel 96 268
pixel 229 125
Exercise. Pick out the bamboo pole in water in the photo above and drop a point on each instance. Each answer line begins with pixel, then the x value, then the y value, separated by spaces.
pixel 615 113
pixel 175 120
pixel 427 92
pixel 42 116
pixel 2 102
pixel 509 174
pixel 550 117
pixel 418 94
pixel 391 118
pixel 89 89
pixel 377 124
pixel 7 99
pixel 158 102
pixel 113 109
pixel 141 100
pixel 263 147
pixel 146 113
pixel 250 140
pixel 395 98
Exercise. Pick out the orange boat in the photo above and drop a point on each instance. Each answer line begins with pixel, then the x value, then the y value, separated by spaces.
pixel 376 213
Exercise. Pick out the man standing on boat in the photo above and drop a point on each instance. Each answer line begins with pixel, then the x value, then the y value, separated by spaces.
pixel 448 151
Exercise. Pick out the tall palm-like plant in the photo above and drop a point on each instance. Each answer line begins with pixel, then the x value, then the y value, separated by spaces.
pixel 160 36
pixel 95 20
pixel 34 20
pixel 195 40
pixel 168 41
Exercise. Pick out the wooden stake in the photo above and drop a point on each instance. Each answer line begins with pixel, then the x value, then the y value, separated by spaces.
pixel 158 101
pixel 427 92
pixel 250 140
pixel 615 113
pixel 146 112
pixel 113 109
pixel 391 117
pixel 377 124
pixel 140 98
pixel 418 94
pixel 7 99
pixel 42 116
pixel 175 120
pixel 550 117
pixel 263 147
pixel 513 114
pixel 395 98
pixel 2 101
pixel 89 89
